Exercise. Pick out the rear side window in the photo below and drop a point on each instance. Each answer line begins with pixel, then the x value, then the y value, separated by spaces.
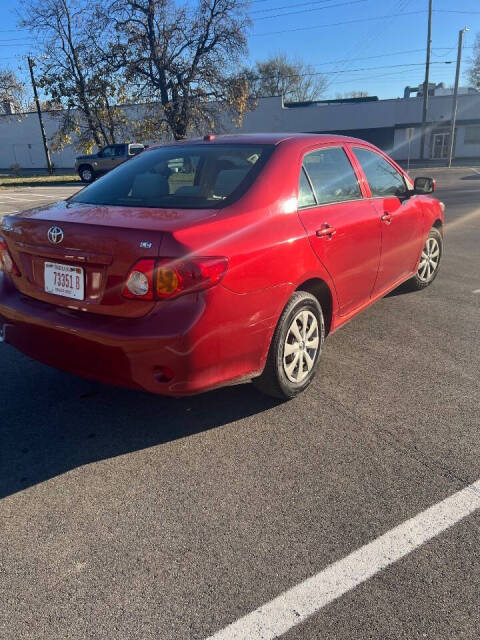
pixel 383 178
pixel 331 175
pixel 182 176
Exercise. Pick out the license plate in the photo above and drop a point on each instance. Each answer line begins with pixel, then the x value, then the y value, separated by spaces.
pixel 64 280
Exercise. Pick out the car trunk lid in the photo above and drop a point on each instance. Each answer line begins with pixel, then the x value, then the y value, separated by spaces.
pixel 101 244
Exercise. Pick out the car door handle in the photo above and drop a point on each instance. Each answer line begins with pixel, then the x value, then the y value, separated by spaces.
pixel 326 230
pixel 387 217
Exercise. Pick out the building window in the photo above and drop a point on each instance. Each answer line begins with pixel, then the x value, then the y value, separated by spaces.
pixel 472 134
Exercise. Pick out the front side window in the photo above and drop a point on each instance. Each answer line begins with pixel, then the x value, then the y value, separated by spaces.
pixel 332 175
pixel 383 178
pixel 183 176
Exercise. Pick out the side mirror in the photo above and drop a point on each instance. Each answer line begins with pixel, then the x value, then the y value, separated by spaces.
pixel 424 186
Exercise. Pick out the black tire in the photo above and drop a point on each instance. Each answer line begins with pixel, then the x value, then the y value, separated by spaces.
pixel 274 380
pixel 86 173
pixel 422 279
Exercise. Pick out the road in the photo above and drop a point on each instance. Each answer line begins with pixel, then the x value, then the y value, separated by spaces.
pixel 129 516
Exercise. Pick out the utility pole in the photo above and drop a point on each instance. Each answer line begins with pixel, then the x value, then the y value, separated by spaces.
pixel 427 80
pixel 461 33
pixel 40 118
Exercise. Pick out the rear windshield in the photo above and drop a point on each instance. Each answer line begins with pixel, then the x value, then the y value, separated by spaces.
pixel 188 177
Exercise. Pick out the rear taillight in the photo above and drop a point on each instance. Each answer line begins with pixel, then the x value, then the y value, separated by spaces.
pixel 6 261
pixel 170 277
pixel 174 277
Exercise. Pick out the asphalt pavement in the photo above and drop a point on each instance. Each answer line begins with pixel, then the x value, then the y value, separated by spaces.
pixel 127 516
pixel 13 200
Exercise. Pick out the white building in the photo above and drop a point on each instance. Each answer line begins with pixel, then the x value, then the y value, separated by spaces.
pixel 393 125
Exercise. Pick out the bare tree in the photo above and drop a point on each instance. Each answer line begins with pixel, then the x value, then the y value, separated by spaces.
pixel 474 71
pixel 352 94
pixel 279 75
pixel 12 90
pixel 75 72
pixel 181 60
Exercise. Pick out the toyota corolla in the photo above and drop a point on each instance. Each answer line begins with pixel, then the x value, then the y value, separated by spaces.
pixel 215 261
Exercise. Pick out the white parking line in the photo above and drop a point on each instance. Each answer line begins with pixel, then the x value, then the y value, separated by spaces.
pixel 476 170
pixel 21 196
pixel 297 604
pixel 3 197
pixel 35 190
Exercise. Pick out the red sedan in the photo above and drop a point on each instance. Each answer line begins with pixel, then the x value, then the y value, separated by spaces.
pixel 214 261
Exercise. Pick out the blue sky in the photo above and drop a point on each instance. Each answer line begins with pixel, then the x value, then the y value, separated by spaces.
pixel 372 45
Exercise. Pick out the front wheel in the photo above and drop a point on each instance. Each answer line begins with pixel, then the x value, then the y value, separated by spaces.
pixel 429 261
pixel 294 353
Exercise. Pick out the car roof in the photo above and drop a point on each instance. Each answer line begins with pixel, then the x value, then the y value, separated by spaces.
pixel 265 138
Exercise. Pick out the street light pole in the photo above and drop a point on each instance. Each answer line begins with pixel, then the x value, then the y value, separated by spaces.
pixel 40 118
pixel 455 96
pixel 427 80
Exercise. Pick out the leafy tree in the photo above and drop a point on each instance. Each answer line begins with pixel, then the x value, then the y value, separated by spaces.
pixel 474 71
pixel 181 59
pixel 11 89
pixel 279 75
pixel 75 72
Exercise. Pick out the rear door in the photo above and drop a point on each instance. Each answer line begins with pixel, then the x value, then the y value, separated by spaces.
pixel 400 217
pixel 342 225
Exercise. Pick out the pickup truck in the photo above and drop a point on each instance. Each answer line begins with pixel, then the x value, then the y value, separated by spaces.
pixel 93 165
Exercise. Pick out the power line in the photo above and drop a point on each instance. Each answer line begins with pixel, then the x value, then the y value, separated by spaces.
pixel 291 13
pixel 322 73
pixel 455 11
pixel 386 55
pixel 291 6
pixel 338 24
pixel 366 42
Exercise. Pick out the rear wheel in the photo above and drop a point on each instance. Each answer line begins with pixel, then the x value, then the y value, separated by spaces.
pixel 86 173
pixel 294 353
pixel 429 261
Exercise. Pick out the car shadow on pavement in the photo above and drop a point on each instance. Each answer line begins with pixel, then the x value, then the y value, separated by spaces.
pixel 52 422
pixel 402 290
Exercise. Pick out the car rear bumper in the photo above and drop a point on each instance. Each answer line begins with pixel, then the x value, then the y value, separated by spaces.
pixel 200 338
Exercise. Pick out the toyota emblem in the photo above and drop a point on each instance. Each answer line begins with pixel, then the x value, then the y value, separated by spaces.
pixel 55 235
